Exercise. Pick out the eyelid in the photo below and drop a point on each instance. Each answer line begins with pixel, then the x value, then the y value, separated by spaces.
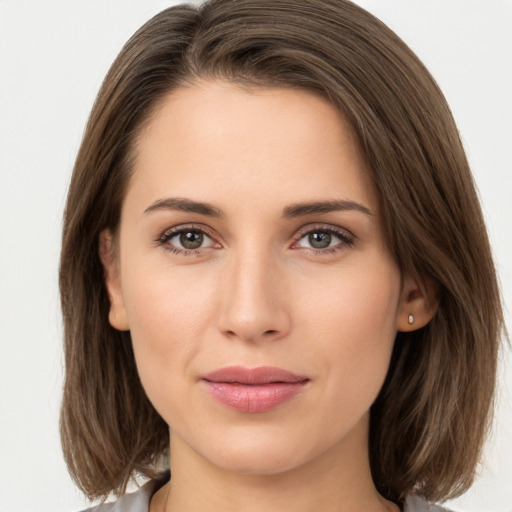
pixel 170 233
pixel 347 238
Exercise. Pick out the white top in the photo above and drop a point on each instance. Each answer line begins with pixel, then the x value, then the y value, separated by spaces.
pixel 139 502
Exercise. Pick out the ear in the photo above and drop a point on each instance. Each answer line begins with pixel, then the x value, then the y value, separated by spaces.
pixel 117 315
pixel 418 303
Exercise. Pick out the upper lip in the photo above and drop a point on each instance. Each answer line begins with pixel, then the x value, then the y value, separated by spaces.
pixel 260 375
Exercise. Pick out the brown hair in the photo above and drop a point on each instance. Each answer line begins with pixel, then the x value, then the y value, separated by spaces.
pixel 430 419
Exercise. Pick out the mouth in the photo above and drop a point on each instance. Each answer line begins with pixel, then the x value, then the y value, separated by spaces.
pixel 254 390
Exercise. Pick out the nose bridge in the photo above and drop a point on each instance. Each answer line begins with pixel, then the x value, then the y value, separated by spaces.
pixel 253 305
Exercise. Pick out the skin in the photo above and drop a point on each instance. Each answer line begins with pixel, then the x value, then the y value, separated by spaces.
pixel 258 293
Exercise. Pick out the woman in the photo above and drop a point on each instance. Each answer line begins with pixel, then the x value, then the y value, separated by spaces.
pixel 273 251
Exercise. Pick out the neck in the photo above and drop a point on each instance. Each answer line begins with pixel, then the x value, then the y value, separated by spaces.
pixel 336 480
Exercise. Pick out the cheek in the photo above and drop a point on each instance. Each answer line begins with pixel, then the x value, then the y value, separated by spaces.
pixel 168 315
pixel 353 324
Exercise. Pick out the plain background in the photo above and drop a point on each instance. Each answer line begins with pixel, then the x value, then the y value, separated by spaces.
pixel 53 56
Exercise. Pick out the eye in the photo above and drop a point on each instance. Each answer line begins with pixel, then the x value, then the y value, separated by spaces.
pixel 322 239
pixel 185 240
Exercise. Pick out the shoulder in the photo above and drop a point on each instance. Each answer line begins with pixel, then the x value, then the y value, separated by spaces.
pixel 137 501
pixel 417 504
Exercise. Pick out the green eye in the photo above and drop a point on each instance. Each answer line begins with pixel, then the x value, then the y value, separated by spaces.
pixel 191 239
pixel 320 239
pixel 183 240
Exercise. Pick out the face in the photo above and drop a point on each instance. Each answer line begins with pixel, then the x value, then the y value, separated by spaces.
pixel 254 278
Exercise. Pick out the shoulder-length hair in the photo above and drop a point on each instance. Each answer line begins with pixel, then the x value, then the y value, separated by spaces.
pixel 430 419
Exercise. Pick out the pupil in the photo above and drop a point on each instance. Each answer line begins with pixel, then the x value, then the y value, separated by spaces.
pixel 319 240
pixel 191 239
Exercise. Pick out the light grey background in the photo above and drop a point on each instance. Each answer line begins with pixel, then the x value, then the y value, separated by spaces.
pixel 53 56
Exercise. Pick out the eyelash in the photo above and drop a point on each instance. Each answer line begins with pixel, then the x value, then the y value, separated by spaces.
pixel 164 239
pixel 346 239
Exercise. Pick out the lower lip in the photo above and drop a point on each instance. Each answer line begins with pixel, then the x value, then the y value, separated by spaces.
pixel 254 398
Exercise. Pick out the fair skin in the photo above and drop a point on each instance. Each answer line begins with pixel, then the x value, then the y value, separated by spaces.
pixel 251 282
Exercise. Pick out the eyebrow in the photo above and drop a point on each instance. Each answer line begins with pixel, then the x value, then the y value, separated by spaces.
pixel 289 212
pixel 185 205
pixel 318 207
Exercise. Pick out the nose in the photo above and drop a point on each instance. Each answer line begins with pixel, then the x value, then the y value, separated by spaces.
pixel 254 300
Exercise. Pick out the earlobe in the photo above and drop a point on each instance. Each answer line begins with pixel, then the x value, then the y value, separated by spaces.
pixel 418 304
pixel 117 313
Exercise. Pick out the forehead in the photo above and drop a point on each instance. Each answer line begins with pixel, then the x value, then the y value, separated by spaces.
pixel 219 140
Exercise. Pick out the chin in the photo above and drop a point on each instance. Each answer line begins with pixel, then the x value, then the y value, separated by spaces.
pixel 260 454
pixel 263 463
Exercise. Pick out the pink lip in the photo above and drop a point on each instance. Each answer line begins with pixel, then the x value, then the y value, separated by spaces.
pixel 254 390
